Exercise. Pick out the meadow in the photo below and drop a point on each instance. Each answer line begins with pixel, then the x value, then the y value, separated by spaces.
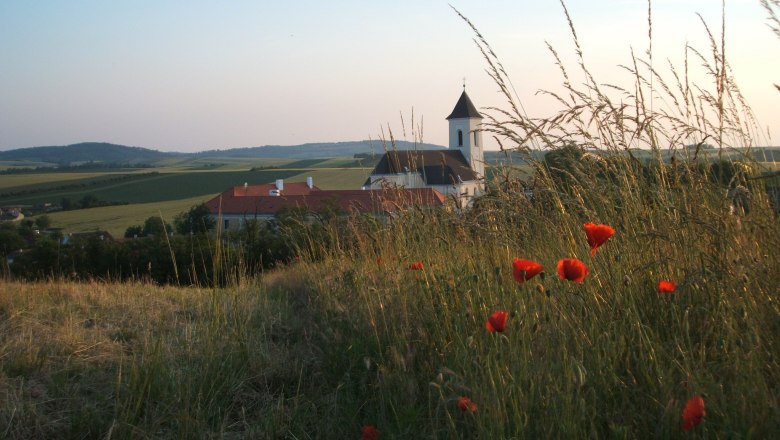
pixel 594 296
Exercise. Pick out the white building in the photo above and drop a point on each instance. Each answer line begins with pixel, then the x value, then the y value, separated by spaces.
pixel 457 171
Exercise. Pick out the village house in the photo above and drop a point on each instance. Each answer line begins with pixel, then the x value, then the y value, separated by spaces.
pixel 237 205
pixel 401 178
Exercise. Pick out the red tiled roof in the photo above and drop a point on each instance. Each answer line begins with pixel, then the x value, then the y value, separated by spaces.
pixel 351 201
pixel 290 189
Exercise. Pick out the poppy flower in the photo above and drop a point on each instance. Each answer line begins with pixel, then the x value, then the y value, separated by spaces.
pixel 379 261
pixel 466 404
pixel 693 413
pixel 417 265
pixel 369 432
pixel 572 269
pixel 497 322
pixel 597 235
pixel 524 270
pixel 666 286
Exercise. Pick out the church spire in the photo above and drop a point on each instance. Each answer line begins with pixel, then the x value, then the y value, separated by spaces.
pixel 464 107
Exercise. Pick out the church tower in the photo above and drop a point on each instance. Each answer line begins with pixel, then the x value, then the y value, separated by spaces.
pixel 465 135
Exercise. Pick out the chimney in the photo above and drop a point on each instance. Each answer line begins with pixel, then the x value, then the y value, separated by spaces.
pixel 280 184
pixel 310 182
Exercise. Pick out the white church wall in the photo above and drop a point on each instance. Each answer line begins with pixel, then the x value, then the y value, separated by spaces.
pixel 406 180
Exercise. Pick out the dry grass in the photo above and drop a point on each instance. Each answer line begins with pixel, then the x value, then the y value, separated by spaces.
pixel 135 360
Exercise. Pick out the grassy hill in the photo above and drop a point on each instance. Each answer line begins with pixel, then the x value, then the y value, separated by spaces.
pixel 352 334
pixel 317 150
pixel 100 152
pixel 85 152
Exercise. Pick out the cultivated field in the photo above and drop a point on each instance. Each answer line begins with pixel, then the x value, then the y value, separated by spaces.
pixel 172 186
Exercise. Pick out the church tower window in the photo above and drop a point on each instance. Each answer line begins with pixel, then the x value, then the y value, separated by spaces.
pixel 460 138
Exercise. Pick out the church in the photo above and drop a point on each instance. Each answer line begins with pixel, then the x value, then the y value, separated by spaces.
pixel 401 178
pixel 456 172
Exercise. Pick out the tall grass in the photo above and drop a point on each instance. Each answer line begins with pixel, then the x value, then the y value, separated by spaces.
pixel 611 357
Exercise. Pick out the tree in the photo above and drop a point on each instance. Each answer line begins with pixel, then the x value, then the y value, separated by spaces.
pixel 195 221
pixel 25 228
pixel 10 241
pixel 42 222
pixel 134 231
pixel 88 201
pixel 156 226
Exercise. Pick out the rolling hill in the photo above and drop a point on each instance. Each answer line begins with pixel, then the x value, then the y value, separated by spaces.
pixel 113 153
pixel 316 150
pixel 85 152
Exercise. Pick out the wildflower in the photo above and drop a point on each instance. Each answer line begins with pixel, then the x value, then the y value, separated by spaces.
pixel 572 269
pixel 497 322
pixel 417 265
pixel 380 261
pixel 597 235
pixel 524 270
pixel 666 286
pixel 466 404
pixel 693 413
pixel 369 432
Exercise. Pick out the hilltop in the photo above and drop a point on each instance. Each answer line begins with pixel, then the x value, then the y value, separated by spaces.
pixel 320 149
pixel 85 152
pixel 113 153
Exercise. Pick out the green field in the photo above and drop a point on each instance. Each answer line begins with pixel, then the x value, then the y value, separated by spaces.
pixel 116 219
pixel 171 187
pixel 17 182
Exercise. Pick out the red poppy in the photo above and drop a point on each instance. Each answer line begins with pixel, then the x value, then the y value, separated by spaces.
pixel 597 235
pixel 379 261
pixel 693 413
pixel 666 286
pixel 524 270
pixel 417 265
pixel 369 432
pixel 497 322
pixel 466 404
pixel 572 269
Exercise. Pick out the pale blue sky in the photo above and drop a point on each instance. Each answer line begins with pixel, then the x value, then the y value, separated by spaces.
pixel 195 75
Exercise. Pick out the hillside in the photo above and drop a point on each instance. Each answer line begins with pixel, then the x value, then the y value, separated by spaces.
pixel 321 149
pixel 85 152
pixel 113 153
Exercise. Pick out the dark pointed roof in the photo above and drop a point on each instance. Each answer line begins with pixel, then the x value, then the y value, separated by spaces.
pixel 464 108
pixel 437 167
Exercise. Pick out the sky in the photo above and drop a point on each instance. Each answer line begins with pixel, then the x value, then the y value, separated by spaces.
pixel 194 75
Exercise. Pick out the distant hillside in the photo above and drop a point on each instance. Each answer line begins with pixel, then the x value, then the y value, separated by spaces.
pixel 119 154
pixel 112 153
pixel 316 150
pixel 85 152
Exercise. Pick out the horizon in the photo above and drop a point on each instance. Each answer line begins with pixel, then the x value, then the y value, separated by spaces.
pixel 245 75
